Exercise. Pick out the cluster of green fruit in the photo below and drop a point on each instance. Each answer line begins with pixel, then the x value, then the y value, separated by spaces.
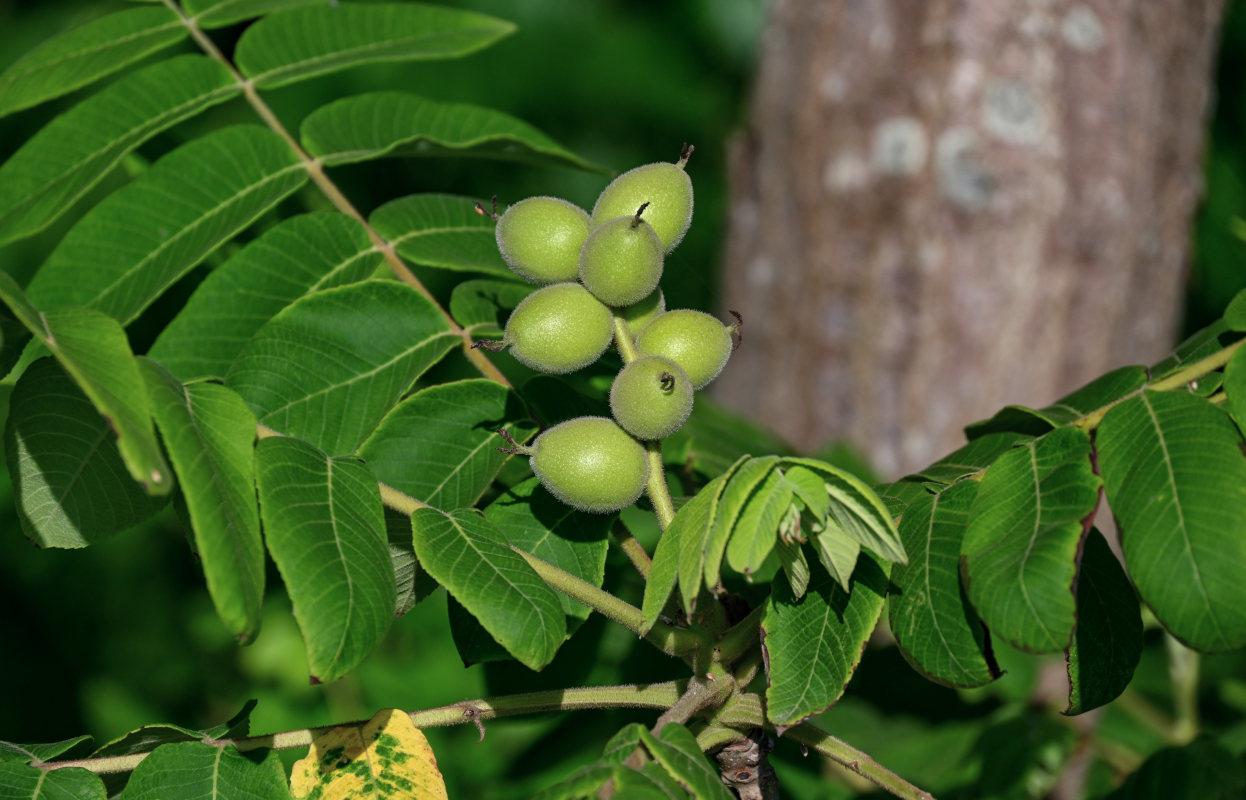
pixel 599 274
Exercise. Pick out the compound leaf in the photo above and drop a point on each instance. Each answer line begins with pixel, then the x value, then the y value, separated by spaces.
pixel 70 484
pixel 209 433
pixel 1107 644
pixel 329 367
pixel 387 758
pixel 299 43
pixel 813 645
pixel 86 54
pixel 380 124
pixel 74 151
pixel 467 554
pixel 195 770
pixel 140 239
pixel 301 255
pixel 1176 480
pixel 440 444
pixel 325 529
pixel 936 628
pixel 442 231
pixel 1021 545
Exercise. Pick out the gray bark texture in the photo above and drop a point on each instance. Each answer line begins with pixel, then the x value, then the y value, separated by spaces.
pixel 940 207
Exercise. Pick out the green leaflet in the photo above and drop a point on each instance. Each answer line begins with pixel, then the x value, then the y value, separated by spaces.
pixel 1107 644
pixel 293 45
pixel 857 509
pixel 1098 393
pixel 93 349
pixel 329 367
pixel 86 54
pixel 440 444
pixel 70 484
pixel 301 255
pixel 1235 313
pixel 48 751
pixel 442 231
pixel 675 748
pixel 216 13
pixel 1199 345
pixel 325 529
pixel 1202 769
pixel 1021 545
pixel 813 644
pixel 1235 386
pixel 382 124
pixel 837 550
pixel 477 305
pixel 742 480
pixel 973 457
pixel 755 532
pixel 1176 481
pixel 209 433
pixel 76 150
pixel 22 782
pixel 148 737
pixel 140 239
pixel 467 554
pixel 196 770
pixel 936 628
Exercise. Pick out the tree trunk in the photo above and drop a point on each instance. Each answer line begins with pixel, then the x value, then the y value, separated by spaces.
pixel 944 206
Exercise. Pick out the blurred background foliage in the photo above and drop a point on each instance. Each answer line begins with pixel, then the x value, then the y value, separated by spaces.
pixel 104 640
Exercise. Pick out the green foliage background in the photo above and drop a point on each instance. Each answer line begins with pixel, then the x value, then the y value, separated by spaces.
pixel 105 640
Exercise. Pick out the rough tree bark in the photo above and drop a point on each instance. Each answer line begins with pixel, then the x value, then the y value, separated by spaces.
pixel 944 206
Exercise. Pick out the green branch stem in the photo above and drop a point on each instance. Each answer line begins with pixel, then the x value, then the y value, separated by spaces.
pixel 315 171
pixel 632 548
pixel 742 636
pixel 655 695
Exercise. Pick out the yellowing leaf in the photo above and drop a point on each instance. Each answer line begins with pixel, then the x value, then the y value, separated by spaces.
pixel 386 758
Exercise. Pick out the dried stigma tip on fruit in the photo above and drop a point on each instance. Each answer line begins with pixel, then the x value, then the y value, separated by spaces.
pixel 651 397
pixel 694 340
pixel 668 190
pixel 591 464
pixel 621 261
pixel 540 239
pixel 559 329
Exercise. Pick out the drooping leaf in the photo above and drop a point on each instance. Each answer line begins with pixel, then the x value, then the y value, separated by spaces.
pixel 743 479
pixel 325 529
pixel 936 628
pixel 1176 480
pixel 1098 393
pixel 467 554
pixel 47 751
pixel 21 782
pixel 197 770
pixel 675 748
pixel 972 458
pixel 75 150
pixel 329 367
pixel 70 484
pixel 380 124
pixel 387 758
pixel 483 305
pixel 301 255
pixel 293 45
pixel 86 54
pixel 856 509
pixel 209 433
pixel 837 550
pixel 1107 644
pixel 93 350
pixel 140 239
pixel 440 444
pixel 574 541
pixel 757 528
pixel 813 645
pixel 1022 542
pixel 215 13
pixel 441 230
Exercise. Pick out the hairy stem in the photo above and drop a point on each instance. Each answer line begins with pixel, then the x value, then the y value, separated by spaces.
pixel 315 171
pixel 1183 669
pixel 656 695
pixel 741 637
pixel 632 548
pixel 659 493
pixel 856 761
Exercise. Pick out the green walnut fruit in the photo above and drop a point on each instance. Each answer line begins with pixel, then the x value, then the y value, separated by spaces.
pixel 590 463
pixel 637 315
pixel 665 187
pixel 559 329
pixel 651 397
pixel 540 239
pixel 694 340
pixel 621 261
